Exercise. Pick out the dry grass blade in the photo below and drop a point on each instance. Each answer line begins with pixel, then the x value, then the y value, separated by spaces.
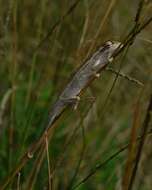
pixel 69 11
pixel 129 78
pixel 103 21
pixel 3 106
pixel 79 161
pixel 139 10
pixel 141 144
pixel 50 178
pixel 132 147
pixel 38 163
pixel 18 181
pixel 133 34
pixel 85 27
pixel 35 169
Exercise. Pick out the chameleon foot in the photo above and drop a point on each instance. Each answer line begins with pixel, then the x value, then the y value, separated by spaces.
pixel 97 75
pixel 110 59
pixel 77 98
pixel 76 102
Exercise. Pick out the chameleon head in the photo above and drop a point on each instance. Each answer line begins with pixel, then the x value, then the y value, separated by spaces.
pixel 105 53
pixel 111 47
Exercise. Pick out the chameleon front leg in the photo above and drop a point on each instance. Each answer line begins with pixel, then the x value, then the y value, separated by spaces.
pixel 75 101
pixel 97 75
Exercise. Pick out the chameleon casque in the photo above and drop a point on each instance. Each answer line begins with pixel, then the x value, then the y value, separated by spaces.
pixel 87 72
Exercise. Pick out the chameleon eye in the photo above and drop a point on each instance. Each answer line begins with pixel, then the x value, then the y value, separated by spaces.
pixel 107 45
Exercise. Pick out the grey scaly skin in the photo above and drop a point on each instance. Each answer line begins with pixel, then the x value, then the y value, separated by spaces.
pixel 87 72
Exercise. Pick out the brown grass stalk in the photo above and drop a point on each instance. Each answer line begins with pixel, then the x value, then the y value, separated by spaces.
pixel 132 146
pixel 141 144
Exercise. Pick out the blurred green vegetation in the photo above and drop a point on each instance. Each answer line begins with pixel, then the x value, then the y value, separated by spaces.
pixel 30 82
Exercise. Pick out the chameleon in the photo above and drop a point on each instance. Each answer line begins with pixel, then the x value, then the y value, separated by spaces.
pixel 87 72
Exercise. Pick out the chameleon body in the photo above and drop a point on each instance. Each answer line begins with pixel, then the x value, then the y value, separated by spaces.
pixel 87 72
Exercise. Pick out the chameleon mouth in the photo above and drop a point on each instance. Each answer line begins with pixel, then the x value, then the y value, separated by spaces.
pixel 117 45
